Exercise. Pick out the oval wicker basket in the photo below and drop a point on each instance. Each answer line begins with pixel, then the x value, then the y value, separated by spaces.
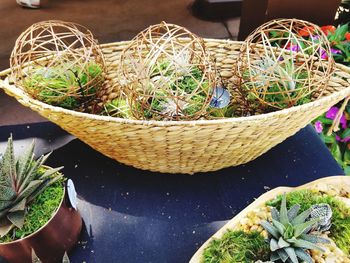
pixel 186 146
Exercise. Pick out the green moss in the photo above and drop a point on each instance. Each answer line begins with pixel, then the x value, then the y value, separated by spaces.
pixel 340 230
pixel 185 86
pixel 39 212
pixel 118 108
pixel 237 247
pixel 67 88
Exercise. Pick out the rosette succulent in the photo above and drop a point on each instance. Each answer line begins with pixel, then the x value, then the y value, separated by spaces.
pixel 290 234
pixel 21 181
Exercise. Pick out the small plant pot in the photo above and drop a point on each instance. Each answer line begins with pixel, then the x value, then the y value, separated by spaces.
pixel 51 241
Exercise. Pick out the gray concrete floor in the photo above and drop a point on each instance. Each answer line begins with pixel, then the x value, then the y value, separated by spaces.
pixel 109 20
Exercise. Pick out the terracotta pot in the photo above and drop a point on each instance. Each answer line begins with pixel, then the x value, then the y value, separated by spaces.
pixel 50 242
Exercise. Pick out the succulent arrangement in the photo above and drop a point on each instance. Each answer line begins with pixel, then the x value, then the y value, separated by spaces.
pixel 161 76
pixel 166 78
pixel 285 75
pixel 59 63
pixel 65 86
pixel 306 225
pixel 281 68
pixel 22 181
pixel 290 233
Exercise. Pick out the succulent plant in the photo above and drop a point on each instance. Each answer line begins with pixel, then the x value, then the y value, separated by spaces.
pixel 35 258
pixel 290 234
pixel 21 180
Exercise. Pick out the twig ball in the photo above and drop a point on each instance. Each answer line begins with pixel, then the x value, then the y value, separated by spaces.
pixel 59 63
pixel 285 62
pixel 168 74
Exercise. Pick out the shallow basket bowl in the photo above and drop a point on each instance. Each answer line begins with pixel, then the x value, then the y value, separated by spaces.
pixel 333 183
pixel 186 146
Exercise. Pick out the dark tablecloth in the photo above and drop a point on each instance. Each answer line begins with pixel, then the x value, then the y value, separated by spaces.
pixel 139 216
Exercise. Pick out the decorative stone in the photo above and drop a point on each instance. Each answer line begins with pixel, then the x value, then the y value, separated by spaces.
pixel 221 98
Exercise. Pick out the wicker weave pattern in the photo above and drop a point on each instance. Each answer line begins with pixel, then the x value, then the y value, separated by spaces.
pixel 187 146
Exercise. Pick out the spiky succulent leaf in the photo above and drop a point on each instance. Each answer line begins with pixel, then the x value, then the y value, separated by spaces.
pixel 25 161
pixel 315 239
pixel 274 257
pixel 291 254
pixel 279 226
pixel 293 212
pixel 16 218
pixel 304 244
pixel 275 214
pixel 303 255
pixel 274 245
pixel 303 228
pixel 21 180
pixel 270 229
pixel 65 258
pixel 282 243
pixel 301 218
pixel 283 211
pixel 282 255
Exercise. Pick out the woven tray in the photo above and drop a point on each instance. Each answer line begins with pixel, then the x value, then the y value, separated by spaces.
pixel 186 146
pixel 337 182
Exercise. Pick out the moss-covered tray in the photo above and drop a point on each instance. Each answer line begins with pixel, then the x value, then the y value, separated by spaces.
pixel 243 239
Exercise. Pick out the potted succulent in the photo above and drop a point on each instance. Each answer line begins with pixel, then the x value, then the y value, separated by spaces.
pixel 35 213
pixel 309 224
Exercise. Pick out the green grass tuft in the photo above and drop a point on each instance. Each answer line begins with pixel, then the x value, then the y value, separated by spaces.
pixel 340 230
pixel 237 247
pixel 64 86
pixel 39 212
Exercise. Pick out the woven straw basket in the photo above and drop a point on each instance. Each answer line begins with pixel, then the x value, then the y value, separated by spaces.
pixel 186 146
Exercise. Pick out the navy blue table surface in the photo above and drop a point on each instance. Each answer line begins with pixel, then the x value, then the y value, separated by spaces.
pixel 139 216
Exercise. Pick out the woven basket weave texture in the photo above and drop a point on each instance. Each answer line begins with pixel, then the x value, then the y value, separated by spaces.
pixel 186 146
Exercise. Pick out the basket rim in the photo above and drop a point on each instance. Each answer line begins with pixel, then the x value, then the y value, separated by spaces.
pixel 36 103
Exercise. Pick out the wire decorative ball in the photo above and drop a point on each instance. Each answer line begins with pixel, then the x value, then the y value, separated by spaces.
pixel 285 62
pixel 59 63
pixel 168 74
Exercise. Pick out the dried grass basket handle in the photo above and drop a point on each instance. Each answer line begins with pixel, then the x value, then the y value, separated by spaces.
pixel 12 90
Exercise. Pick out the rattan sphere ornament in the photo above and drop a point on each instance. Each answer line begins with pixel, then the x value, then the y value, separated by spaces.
pixel 59 63
pixel 168 74
pixel 285 62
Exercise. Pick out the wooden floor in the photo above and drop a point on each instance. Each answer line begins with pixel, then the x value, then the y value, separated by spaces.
pixel 109 20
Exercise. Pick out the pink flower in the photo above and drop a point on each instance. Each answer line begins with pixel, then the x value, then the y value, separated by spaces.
pixel 335 51
pixel 339 139
pixel 332 112
pixel 323 54
pixel 295 48
pixel 318 126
